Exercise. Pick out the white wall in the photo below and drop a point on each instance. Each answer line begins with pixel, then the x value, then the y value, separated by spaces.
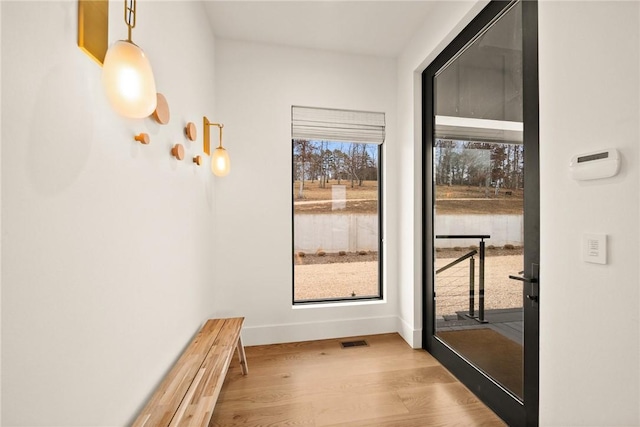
pixel 1 203
pixel 106 263
pixel 256 85
pixel 590 327
pixel 442 25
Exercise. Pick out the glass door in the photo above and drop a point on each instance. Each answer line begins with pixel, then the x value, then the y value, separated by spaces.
pixel 481 222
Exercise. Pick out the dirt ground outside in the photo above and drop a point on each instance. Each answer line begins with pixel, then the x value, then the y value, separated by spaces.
pixel 336 280
pixel 316 199
pixel 452 286
pixel 450 200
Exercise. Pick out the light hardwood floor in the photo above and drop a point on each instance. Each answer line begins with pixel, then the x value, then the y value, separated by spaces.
pixel 318 383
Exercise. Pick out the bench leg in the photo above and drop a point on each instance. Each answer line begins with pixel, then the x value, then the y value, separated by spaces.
pixel 242 357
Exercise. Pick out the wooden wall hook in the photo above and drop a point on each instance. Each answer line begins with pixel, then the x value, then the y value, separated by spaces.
pixel 143 138
pixel 197 160
pixel 191 131
pixel 178 151
pixel 162 114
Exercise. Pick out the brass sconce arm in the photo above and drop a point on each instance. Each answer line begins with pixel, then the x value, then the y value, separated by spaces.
pixel 207 143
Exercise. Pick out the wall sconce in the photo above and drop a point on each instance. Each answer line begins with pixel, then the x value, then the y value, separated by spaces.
pixel 127 74
pixel 220 164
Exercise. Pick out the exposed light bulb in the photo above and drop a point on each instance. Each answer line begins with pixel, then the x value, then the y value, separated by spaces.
pixel 128 80
pixel 220 165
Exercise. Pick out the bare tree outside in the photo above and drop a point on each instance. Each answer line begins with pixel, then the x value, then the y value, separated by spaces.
pixel 302 152
pixel 497 165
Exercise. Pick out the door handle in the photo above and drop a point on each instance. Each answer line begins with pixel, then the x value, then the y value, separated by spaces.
pixel 533 298
pixel 523 279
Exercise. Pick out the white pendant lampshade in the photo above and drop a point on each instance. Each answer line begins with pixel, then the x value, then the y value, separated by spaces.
pixel 220 165
pixel 128 80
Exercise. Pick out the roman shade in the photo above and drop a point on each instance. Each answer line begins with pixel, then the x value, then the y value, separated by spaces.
pixel 325 124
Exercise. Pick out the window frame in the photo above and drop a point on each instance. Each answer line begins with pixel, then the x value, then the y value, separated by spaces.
pixel 345 300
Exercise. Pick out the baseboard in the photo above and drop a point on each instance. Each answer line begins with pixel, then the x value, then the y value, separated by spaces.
pixel 413 337
pixel 326 329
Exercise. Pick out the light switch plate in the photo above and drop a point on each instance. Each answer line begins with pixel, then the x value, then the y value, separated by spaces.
pixel 594 248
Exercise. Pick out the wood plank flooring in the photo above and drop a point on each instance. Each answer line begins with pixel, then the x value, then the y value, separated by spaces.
pixel 318 383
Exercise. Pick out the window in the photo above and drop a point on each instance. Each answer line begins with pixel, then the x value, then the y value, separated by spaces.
pixel 337 181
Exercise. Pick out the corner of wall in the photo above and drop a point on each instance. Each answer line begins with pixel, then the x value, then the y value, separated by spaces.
pixel 442 26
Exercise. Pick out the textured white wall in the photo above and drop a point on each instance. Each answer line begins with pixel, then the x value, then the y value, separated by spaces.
pixel 106 264
pixel 590 323
pixel 256 85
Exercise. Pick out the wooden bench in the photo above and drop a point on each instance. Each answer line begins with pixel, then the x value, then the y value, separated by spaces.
pixel 190 390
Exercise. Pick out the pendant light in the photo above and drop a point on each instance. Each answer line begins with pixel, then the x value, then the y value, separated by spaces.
pixel 127 75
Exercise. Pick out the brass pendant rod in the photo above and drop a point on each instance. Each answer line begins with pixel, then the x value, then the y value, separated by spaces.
pixel 220 126
pixel 130 16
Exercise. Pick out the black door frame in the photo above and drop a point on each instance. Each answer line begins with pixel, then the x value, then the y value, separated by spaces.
pixel 507 406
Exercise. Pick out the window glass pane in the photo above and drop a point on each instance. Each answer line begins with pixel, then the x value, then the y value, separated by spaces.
pixel 336 221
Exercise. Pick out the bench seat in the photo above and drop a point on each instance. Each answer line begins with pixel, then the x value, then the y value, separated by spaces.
pixel 188 394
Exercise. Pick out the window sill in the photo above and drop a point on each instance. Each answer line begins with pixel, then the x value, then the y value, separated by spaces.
pixel 311 305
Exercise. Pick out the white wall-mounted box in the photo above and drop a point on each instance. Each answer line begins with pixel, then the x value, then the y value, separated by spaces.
pixel 595 165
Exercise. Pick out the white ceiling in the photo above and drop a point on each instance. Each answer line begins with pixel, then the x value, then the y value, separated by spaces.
pixel 379 28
